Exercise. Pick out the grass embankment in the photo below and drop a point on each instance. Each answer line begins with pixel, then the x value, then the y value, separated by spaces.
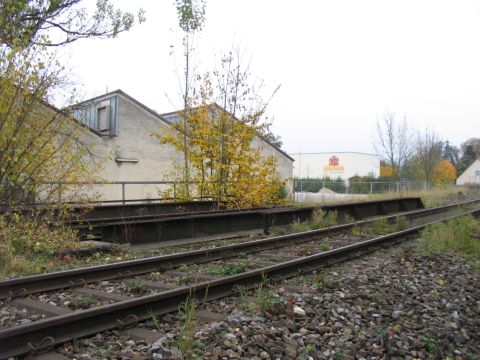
pixel 459 236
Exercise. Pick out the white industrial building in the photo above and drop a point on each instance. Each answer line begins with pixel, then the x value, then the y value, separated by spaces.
pixel 471 175
pixel 335 165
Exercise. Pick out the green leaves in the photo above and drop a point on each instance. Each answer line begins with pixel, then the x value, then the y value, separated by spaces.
pixel 27 22
pixel 191 14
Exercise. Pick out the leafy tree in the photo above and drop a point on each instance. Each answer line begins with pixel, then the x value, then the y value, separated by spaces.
pixel 43 152
pixel 191 17
pixel 450 153
pixel 445 172
pixel 473 145
pixel 40 148
pixel 222 122
pixel 273 139
pixel 59 22
pixel 386 171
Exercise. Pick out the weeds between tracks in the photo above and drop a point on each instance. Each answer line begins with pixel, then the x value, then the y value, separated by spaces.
pixel 458 235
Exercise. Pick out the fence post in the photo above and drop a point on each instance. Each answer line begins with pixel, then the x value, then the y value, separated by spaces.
pixel 174 190
pixel 123 192
pixel 398 187
pixel 371 187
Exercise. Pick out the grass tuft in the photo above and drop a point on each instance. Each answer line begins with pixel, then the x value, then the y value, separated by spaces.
pixel 453 236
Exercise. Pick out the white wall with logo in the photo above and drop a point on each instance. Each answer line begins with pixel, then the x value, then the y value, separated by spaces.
pixel 335 165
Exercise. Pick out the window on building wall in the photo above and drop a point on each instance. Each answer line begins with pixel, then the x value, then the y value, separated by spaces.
pixel 103 118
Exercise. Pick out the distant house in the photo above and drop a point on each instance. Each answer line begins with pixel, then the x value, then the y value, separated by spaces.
pixel 471 175
pixel 120 131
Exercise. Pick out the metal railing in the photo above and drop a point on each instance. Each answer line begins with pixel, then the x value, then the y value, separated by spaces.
pixel 108 192
pixel 318 189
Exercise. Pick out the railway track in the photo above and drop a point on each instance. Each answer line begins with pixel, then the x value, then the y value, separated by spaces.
pixel 167 287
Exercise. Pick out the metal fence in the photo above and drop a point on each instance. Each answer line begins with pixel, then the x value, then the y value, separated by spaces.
pixel 106 192
pixel 299 190
pixel 320 190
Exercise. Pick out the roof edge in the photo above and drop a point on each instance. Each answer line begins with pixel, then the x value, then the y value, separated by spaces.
pixel 128 97
pixel 258 134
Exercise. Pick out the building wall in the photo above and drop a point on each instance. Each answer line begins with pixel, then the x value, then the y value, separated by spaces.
pixel 471 175
pixel 284 164
pixel 133 142
pixel 317 165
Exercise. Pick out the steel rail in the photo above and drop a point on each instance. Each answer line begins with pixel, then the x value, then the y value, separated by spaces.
pixel 99 222
pixel 45 334
pixel 130 219
pixel 77 277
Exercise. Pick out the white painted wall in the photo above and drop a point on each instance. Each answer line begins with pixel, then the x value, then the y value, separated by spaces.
pixel 316 165
pixel 471 175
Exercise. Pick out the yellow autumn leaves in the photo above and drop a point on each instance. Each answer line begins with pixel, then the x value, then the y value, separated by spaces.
pixel 223 164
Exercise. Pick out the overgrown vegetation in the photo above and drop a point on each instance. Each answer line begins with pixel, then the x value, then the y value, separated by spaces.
pixel 233 269
pixel 378 227
pixel 319 219
pixel 136 288
pixel 458 235
pixel 188 327
pixel 325 281
pixel 264 299
pixel 30 245
pixel 83 301
pixel 44 155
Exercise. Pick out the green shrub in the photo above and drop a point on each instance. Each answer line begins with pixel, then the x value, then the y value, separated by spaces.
pixel 321 219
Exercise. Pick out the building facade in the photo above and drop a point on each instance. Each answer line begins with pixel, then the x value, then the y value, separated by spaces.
pixel 343 165
pixel 121 136
pixel 471 175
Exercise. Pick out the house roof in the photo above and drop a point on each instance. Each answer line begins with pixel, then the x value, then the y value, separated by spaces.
pixel 473 165
pixel 259 135
pixel 162 116
pixel 132 99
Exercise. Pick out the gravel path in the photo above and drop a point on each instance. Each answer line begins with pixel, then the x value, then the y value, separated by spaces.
pixel 393 304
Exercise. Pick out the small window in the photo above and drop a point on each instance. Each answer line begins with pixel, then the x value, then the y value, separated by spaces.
pixel 103 118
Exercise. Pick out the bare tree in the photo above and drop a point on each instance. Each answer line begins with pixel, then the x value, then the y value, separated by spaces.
pixel 394 141
pixel 428 152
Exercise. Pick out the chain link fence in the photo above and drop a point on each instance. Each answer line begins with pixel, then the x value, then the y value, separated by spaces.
pixel 320 190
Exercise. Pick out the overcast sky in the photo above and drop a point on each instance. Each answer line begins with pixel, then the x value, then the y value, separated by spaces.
pixel 341 64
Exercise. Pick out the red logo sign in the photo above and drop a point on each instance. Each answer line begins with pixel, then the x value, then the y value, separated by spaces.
pixel 333 161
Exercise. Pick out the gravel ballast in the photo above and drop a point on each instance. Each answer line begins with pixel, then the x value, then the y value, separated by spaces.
pixel 393 304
